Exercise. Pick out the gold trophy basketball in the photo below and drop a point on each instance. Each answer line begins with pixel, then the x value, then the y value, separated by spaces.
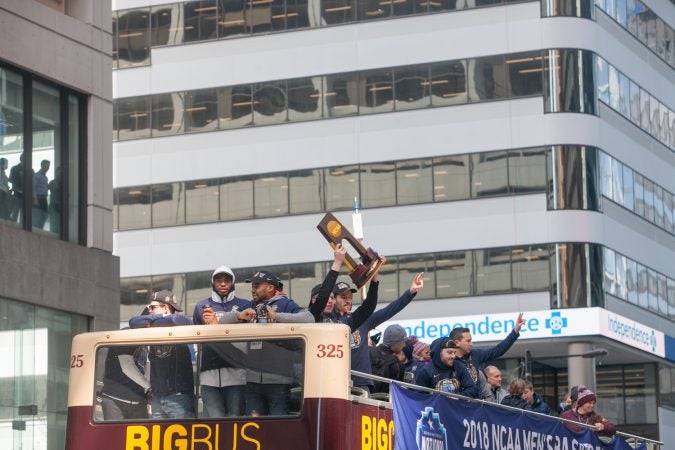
pixel 335 233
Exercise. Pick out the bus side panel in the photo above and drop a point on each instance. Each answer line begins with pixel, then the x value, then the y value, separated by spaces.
pixel 349 425
pixel 215 434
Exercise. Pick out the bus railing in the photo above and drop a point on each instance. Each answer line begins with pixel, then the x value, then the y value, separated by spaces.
pixel 632 440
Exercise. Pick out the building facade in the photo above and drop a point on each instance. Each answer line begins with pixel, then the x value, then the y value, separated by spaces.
pixel 520 153
pixel 59 275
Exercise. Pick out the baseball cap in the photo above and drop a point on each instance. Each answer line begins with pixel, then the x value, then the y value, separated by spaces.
pixel 341 287
pixel 165 297
pixel 266 277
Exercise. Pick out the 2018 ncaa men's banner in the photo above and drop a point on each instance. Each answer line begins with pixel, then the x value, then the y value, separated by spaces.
pixel 435 422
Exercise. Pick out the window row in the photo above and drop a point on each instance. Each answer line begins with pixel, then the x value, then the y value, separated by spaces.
pixel 389 183
pixel 329 96
pixel 565 269
pixel 446 275
pixel 635 103
pixel 644 25
pixel 41 152
pixel 638 284
pixel 136 31
pixel 637 193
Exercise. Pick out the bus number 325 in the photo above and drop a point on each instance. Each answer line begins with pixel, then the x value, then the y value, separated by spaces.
pixel 329 351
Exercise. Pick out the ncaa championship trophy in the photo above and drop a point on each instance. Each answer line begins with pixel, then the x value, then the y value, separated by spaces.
pixel 335 233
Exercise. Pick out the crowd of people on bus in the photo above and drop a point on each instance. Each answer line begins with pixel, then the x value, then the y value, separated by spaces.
pixel 228 388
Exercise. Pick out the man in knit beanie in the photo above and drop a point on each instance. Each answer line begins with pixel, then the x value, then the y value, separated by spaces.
pixel 583 412
pixel 384 359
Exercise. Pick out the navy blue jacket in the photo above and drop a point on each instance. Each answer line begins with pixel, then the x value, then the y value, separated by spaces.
pixel 479 356
pixel 433 373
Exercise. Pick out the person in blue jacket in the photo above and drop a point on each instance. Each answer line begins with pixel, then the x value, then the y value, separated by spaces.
pixel 443 373
pixel 359 338
pixel 170 365
pixel 536 402
pixel 473 359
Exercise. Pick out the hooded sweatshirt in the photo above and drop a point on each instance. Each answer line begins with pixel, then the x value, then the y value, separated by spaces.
pixel 222 365
pixel 437 375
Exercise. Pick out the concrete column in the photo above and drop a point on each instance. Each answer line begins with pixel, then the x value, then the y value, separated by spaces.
pixel 580 370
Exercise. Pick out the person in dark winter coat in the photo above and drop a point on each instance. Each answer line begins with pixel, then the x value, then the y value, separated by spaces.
pixel 535 401
pixel 515 398
pixel 385 360
pixel 443 373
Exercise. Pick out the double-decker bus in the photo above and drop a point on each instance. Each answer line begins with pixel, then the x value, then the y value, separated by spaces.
pixel 322 411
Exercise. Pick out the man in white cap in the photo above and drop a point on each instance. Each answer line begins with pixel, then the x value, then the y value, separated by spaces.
pixel 221 378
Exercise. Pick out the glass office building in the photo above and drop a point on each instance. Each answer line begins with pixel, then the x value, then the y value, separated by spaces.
pixel 520 153
pixel 59 276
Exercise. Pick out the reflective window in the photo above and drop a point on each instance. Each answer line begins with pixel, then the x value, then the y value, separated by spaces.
pixel 409 267
pixel 642 286
pixel 201 110
pixel 662 287
pixel 373 9
pixel 168 204
pixel 614 94
pixel 166 25
pixel 493 270
pixel 235 106
pixel 269 103
pixel 303 277
pixel 134 207
pixel 305 99
pixel 489 174
pixel 306 191
pixel 167 114
pixel 524 74
pixel 606 185
pixel 621 12
pixel 342 185
pixel 530 268
pixel 609 268
pixel 620 276
pixel 413 182
pixel 452 178
pixel 448 83
pixel 200 20
pixel 133 117
pixel 652 287
pixel 668 211
pixel 46 156
pixel 412 87
pixel 133 38
pixel 644 110
pixel 527 170
pixel 376 91
pixel 635 103
pixel 487 78
pixel 655 117
pixel 453 274
pixel 388 278
pixel 649 199
pixel 658 206
pixel 639 194
pixel 297 14
pixel 617 181
pixel 202 201
pixel 632 11
pixel 624 95
pixel 671 298
pixel 632 281
pixel 270 195
pixel 234 18
pixel 57 188
pixel 628 197
pixel 341 94
pixel 572 88
pixel 640 394
pixel 338 11
pixel 602 77
pixel 115 34
pixel 236 198
pixel 378 185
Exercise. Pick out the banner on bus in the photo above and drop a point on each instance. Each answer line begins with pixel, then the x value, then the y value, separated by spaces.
pixel 424 421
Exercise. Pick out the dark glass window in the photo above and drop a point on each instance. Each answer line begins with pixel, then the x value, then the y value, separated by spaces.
pixel 658 206
pixel 263 13
pixel 373 9
pixel 527 170
pixel 452 178
pixel 236 198
pixel 167 114
pixel 201 110
pixel 487 78
pixel 134 295
pixel 202 201
pixel 133 37
pixel 409 267
pixel 572 87
pixel 412 87
pixel 634 103
pixel 525 74
pixel 639 194
pixel 642 286
pixel 376 91
pixel 269 103
pixel 493 270
pixel 338 11
pixel 489 174
pixel 341 93
pixel 649 199
pixel 454 274
pixel 448 83
pixel 235 106
pixel 530 268
pixel 628 195
pixel 378 185
pixel 270 195
pixel 614 94
pixel 306 191
pixel 631 281
pixel 645 110
pixel 234 18
pixel 115 34
pixel 134 207
pixel 668 211
pixel 305 99
pixel 133 117
pixel 413 180
pixel 342 185
pixel 303 277
pixel 168 204
pixel 166 25
pixel 297 14
pixel 662 286
pixel 200 20
pixel 653 290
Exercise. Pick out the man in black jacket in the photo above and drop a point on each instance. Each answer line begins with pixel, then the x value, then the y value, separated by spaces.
pixel 384 360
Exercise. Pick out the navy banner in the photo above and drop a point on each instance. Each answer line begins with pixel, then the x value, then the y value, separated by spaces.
pixel 435 422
